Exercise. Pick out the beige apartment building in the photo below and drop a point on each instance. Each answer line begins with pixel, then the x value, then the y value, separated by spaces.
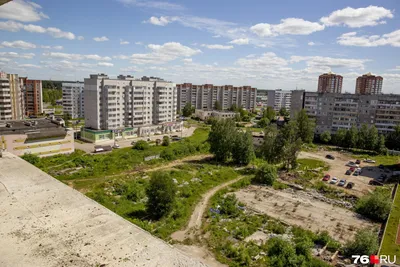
pixel 11 97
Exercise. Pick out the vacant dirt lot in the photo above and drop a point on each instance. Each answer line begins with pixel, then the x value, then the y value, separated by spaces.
pixel 296 208
pixel 338 169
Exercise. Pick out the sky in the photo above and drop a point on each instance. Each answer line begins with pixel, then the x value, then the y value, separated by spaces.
pixel 265 44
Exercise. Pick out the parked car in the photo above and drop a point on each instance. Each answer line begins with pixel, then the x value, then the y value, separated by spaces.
pixel 133 143
pixel 329 156
pixel 334 180
pixel 116 146
pixel 352 169
pixel 326 177
pixel 98 150
pixel 381 166
pixel 369 160
pixel 356 173
pixel 375 182
pixel 348 172
pixel 352 164
pixel 358 161
pixel 342 182
pixel 350 185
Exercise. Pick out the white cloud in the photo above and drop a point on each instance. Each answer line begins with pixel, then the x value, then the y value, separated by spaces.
pixel 162 21
pixel 68 65
pixel 327 63
pixel 153 4
pixel 105 64
pixel 138 43
pixel 101 39
pixel 16 55
pixel 130 69
pixel 19 44
pixel 80 38
pixel 397 68
pixel 22 10
pixel 187 60
pixel 217 46
pixel 291 26
pixel 311 43
pixel 30 66
pixel 75 56
pixel 57 47
pixel 265 60
pixel 240 41
pixel 16 26
pixel 121 57
pixel 122 42
pixel 358 17
pixel 351 39
pixel 217 36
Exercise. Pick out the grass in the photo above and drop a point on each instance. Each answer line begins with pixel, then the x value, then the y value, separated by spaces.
pixel 306 164
pixel 389 246
pixel 116 195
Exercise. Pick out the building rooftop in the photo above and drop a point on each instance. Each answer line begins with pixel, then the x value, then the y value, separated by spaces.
pixel 44 223
pixel 39 128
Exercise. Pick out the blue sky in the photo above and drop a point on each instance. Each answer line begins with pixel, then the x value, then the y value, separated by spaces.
pixel 265 44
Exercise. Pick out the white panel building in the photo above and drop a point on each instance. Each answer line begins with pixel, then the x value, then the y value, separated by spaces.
pixel 73 100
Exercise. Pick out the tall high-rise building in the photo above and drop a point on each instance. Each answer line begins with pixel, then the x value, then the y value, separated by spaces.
pixel 11 102
pixel 73 100
pixel 114 104
pixel 205 96
pixel 330 83
pixel 33 97
pixel 369 84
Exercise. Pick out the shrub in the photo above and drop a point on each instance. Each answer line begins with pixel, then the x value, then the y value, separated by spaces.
pixel 266 174
pixel 365 243
pixel 229 206
pixel 31 158
pixel 168 154
pixel 165 141
pixel 375 205
pixel 141 145
pixel 161 194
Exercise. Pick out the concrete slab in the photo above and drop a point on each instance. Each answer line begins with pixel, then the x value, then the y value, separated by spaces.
pixel 46 223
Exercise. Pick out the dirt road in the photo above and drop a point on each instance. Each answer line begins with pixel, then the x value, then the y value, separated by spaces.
pixel 338 168
pixel 195 220
pixel 297 208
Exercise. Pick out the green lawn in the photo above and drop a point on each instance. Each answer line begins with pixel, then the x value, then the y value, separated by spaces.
pixel 305 164
pixel 389 246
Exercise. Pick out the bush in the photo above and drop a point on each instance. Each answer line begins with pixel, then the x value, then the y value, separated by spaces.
pixel 161 194
pixel 31 158
pixel 141 145
pixel 266 174
pixel 165 141
pixel 228 206
pixel 375 205
pixel 365 243
pixel 135 192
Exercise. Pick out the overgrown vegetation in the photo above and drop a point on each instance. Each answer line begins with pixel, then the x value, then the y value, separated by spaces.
pixel 267 175
pixel 365 242
pixel 375 205
pixel 51 95
pixel 161 194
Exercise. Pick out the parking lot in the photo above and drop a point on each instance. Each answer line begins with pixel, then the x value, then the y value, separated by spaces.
pixel 338 168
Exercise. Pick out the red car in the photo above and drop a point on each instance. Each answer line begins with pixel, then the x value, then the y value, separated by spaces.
pixel 326 177
pixel 352 169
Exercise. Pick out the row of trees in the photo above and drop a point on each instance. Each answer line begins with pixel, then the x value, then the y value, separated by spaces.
pixel 366 137
pixel 284 144
pixel 51 95
pixel 228 143
pixel 393 138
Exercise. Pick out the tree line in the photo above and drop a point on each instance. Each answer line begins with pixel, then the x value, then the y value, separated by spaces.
pixel 51 95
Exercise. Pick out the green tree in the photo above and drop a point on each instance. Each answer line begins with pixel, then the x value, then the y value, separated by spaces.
pixel 141 145
pixel 266 174
pixel 237 117
pixel 339 137
pixel 243 148
pixel 66 117
pixel 290 142
pixel 234 107
pixel 270 149
pixel 365 243
pixel 188 110
pixel 372 138
pixel 362 137
pixel 380 145
pixel 161 194
pixel 222 138
pixel 217 105
pixel 375 205
pixel 281 253
pixel 264 122
pixel 393 138
pixel 269 113
pixel 351 137
pixel 305 127
pixel 284 112
pixel 165 140
pixel 325 137
pixel 228 205
pixel 31 158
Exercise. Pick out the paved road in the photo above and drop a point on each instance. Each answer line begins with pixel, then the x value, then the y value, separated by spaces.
pixel 89 147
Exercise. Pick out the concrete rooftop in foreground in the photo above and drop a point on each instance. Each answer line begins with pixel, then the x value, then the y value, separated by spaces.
pixel 43 222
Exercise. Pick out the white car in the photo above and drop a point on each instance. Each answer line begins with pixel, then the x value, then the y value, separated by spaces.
pixel 370 161
pixel 352 164
pixel 334 180
pixel 116 146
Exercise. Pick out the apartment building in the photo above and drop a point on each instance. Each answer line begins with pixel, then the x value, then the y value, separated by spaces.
pixel 342 111
pixel 11 97
pixel 127 107
pixel 262 98
pixel 205 96
pixel 33 97
pixel 73 100
pixel 369 84
pixel 330 83
pixel 279 99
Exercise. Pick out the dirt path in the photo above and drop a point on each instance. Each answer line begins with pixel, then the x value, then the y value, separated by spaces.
pixel 195 220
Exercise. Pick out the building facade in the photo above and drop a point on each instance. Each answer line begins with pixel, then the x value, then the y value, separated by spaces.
pixel 205 96
pixel 33 97
pixel 11 97
pixel 330 83
pixel 279 98
pixel 262 98
pixel 369 84
pixel 127 107
pixel 342 111
pixel 206 114
pixel 73 100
